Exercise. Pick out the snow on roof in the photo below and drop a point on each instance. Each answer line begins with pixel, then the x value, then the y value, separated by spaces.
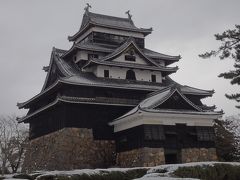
pixel 151 101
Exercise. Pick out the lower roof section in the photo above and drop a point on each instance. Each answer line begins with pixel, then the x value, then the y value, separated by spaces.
pixel 165 117
pixel 74 76
pixel 81 100
pixel 92 81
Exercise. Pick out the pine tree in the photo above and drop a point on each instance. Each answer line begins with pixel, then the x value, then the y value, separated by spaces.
pixel 227 139
pixel 230 48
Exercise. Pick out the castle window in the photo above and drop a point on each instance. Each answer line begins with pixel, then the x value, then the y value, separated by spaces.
pixel 106 73
pixel 154 132
pixel 74 58
pixel 205 134
pixel 153 77
pixel 92 56
pixel 130 58
pixel 130 75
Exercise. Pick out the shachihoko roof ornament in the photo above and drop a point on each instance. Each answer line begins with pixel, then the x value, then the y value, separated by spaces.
pixel 87 7
pixel 129 15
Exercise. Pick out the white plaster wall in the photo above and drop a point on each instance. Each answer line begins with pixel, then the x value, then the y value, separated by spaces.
pixel 164 119
pixel 83 55
pixel 120 73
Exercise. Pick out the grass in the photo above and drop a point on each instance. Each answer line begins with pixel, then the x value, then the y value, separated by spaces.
pixel 207 172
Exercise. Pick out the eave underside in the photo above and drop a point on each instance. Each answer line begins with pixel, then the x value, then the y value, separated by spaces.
pixel 81 100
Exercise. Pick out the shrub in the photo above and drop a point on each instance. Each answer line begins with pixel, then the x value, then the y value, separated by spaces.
pixel 23 176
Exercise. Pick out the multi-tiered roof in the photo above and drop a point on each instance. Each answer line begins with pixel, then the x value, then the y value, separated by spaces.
pixel 71 67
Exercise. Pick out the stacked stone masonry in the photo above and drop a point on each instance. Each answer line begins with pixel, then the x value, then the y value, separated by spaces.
pixel 198 154
pixel 141 157
pixel 75 148
pixel 69 148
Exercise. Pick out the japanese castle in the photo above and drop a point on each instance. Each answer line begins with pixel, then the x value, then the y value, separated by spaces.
pixel 109 101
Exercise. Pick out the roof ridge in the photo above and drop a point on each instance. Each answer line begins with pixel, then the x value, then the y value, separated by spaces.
pixel 211 91
pixel 108 16
pixel 163 53
pixel 172 90
pixel 120 49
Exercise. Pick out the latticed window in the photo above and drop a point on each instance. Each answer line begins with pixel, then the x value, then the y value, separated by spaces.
pixel 154 133
pixel 205 134
pixel 92 56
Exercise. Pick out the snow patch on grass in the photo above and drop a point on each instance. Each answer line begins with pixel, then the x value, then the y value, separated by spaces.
pixel 170 168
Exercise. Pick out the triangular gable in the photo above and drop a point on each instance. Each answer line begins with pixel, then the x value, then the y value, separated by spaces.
pixel 51 76
pixel 176 100
pixel 132 55
pixel 49 72
pixel 125 48
pixel 53 73
pixel 169 98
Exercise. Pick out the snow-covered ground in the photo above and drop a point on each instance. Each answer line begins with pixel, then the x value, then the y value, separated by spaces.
pixel 162 172
pixel 168 169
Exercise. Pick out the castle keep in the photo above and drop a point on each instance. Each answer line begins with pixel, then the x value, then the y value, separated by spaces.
pixel 109 101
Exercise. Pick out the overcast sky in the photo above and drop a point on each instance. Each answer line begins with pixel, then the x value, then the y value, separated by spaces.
pixel 30 28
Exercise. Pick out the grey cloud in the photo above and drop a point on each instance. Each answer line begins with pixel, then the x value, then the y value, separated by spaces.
pixel 30 28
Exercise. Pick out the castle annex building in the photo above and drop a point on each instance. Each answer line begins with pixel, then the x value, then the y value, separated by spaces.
pixel 109 101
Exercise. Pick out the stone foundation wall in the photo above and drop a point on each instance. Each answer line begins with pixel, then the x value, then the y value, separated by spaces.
pixel 198 154
pixel 75 148
pixel 141 157
pixel 69 148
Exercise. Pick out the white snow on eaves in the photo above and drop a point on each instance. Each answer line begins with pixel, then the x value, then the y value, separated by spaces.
pixel 151 101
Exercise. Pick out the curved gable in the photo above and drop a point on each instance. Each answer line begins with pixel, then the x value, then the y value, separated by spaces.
pixel 169 99
pixel 176 101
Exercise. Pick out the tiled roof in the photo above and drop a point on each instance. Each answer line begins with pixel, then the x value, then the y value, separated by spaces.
pixel 109 20
pixel 98 47
pixel 159 97
pixel 192 90
pixel 165 70
pixel 81 100
pixel 73 75
pixel 159 56
pixel 90 18
pixel 106 60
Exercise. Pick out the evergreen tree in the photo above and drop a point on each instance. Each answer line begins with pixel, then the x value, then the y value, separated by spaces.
pixel 227 139
pixel 230 48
